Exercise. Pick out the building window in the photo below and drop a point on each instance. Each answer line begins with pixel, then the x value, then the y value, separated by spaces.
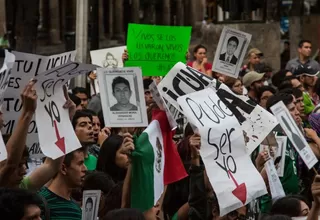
pixel 239 11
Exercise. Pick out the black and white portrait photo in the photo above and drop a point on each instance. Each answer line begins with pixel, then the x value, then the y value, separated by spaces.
pixel 90 204
pixel 110 61
pixel 106 58
pixel 228 56
pixel 230 51
pixel 121 90
pixel 89 209
pixel 122 97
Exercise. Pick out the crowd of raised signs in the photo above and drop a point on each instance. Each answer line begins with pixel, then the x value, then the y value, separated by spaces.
pixel 131 174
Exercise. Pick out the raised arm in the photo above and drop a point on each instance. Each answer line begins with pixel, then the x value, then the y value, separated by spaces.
pixel 17 141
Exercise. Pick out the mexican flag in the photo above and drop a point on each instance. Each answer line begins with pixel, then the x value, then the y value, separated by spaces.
pixel 155 163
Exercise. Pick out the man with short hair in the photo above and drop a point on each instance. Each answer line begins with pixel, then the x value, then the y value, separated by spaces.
pixel 82 124
pixel 58 195
pixel 82 94
pixel 253 81
pixel 304 50
pixel 19 204
pixel 232 46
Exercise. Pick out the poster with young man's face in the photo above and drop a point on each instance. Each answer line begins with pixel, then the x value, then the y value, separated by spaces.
pixel 90 204
pixel 122 97
pixel 230 52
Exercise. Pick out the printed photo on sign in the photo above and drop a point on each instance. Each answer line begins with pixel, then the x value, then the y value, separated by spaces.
pixel 90 204
pixel 230 52
pixel 106 58
pixel 294 134
pixel 122 97
pixel 280 157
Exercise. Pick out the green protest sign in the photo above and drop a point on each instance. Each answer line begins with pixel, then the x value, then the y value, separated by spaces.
pixel 156 49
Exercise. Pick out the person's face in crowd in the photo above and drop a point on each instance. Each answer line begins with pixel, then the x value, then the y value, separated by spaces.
pixel 148 95
pixel 254 59
pixel 294 113
pixel 257 85
pixel 122 93
pixel 121 159
pixel 32 212
pixel 89 210
pixel 84 130
pixel 308 81
pixel 18 174
pixel 200 54
pixel 305 50
pixel 300 105
pixel 264 98
pixel 231 47
pixel 96 126
pixel 237 87
pixel 84 99
pixel 75 173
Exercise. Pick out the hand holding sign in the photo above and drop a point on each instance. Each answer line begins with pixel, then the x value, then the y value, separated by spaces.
pixel 29 98
pixel 261 159
pixel 69 103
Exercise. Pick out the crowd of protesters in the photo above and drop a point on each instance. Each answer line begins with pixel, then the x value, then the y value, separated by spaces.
pixel 54 189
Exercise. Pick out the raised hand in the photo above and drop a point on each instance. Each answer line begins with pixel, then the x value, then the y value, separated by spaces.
pixel 29 98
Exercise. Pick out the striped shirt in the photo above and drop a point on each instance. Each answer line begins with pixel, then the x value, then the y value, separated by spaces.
pixel 60 208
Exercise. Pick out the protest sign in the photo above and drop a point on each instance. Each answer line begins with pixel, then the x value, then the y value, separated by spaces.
pixel 91 202
pixel 56 134
pixel 294 134
pixel 255 121
pixel 280 156
pixel 232 48
pixel 26 67
pixel 156 49
pixel 275 185
pixel 223 150
pixel 162 104
pixel 4 80
pixel 106 58
pixel 182 80
pixel 122 97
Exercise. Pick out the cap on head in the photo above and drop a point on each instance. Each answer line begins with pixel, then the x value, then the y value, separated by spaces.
pixel 251 77
pixel 305 69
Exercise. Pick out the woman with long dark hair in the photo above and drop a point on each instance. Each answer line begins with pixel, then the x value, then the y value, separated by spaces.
pixel 200 62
